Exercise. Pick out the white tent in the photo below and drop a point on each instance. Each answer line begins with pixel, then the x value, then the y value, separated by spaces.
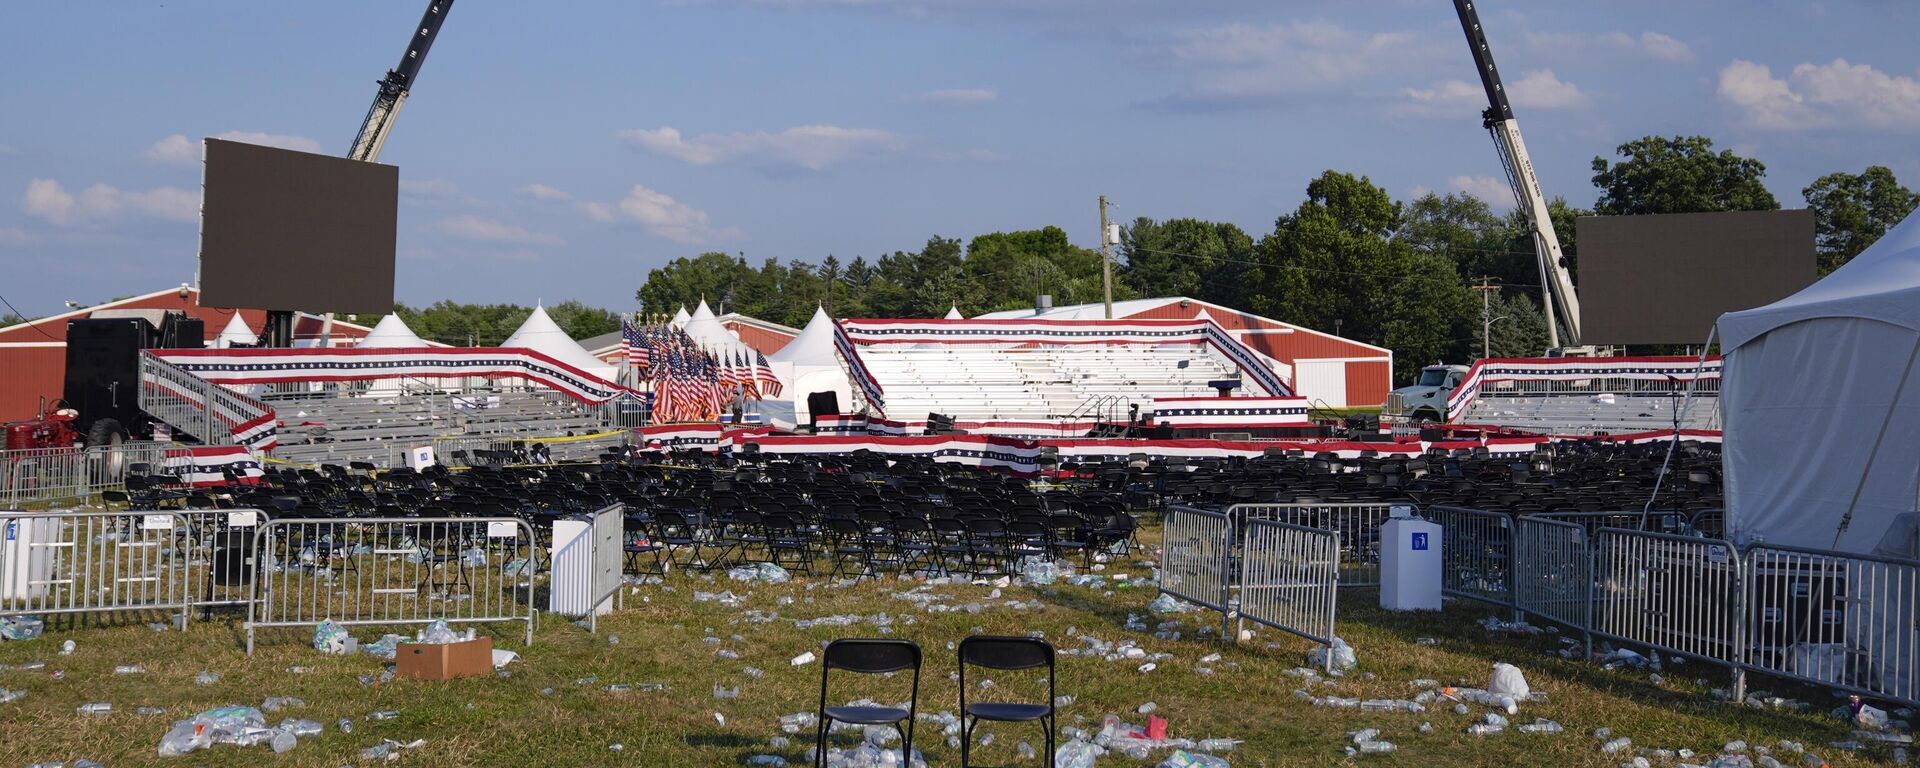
pixel 705 330
pixel 391 333
pixel 236 332
pixel 680 318
pixel 953 313
pixel 540 334
pixel 810 363
pixel 1822 407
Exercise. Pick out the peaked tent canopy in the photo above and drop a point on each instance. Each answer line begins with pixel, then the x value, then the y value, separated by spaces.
pixel 391 333
pixel 953 313
pixel 680 318
pixel 705 330
pixel 814 345
pixel 1821 399
pixel 236 333
pixel 540 334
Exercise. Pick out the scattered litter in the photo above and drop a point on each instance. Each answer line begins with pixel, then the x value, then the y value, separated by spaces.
pixel 803 659
pixel 7 696
pixel 22 627
pixel 129 669
pixel 1344 659
pixel 96 708
pixel 331 638
pixel 277 703
pixel 1166 603
pixel 206 678
pixel 239 726
pixel 66 647
pixel 1507 681
pixel 762 572
pixel 1184 759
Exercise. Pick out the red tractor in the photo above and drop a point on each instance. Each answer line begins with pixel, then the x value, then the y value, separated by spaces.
pixel 100 404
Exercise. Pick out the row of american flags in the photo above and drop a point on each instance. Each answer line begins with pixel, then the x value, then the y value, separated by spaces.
pixel 690 382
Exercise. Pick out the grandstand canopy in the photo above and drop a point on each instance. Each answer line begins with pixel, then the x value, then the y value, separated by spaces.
pixel 1822 407
pixel 391 333
pixel 236 332
pixel 814 345
pixel 541 334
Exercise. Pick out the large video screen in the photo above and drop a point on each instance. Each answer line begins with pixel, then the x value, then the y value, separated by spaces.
pixel 298 231
pixel 1665 279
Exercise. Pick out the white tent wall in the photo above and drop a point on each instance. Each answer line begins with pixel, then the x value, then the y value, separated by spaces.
pixel 1822 417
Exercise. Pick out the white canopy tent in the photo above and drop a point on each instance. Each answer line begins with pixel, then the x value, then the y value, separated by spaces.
pixel 681 317
pixel 953 313
pixel 1821 397
pixel 810 363
pixel 236 333
pixel 540 334
pixel 391 333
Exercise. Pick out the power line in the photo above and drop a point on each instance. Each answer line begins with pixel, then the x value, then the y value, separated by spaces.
pixel 23 318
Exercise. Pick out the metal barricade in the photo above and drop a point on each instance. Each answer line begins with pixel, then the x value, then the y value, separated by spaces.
pixel 1290 578
pixel 1477 552
pixel 392 571
pixel 218 544
pixel 1199 545
pixel 1677 594
pixel 1839 620
pixel 1659 521
pixel 1358 526
pixel 56 563
pixel 65 474
pixel 1553 571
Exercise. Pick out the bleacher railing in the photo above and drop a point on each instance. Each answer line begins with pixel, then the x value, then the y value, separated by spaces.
pixel 203 409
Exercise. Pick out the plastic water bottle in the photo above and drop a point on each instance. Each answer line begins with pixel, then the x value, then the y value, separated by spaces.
pixel 284 741
pixel 346 725
pixel 96 708
pixel 1376 747
pixel 1619 745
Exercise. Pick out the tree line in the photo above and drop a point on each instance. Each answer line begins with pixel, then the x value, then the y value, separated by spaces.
pixel 1351 259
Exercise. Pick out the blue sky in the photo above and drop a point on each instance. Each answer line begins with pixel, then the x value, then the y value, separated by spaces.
pixel 559 150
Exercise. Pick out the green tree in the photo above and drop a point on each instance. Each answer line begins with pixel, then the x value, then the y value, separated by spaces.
pixel 1851 211
pixel 1679 175
pixel 1336 257
pixel 9 318
pixel 581 321
pixel 708 276
pixel 1519 329
pixel 1184 257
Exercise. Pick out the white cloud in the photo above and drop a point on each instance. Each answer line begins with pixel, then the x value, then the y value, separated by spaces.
pixel 542 192
pixel 1767 102
pixel 660 215
pixel 1875 97
pixel 1821 95
pixel 1542 90
pixel 960 96
pixel 1494 192
pixel 813 147
pixel 47 200
pixel 177 149
pixel 1243 65
pixel 1457 98
pixel 485 230
pixel 1657 46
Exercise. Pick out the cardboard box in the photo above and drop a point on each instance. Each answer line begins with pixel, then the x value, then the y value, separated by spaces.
pixel 422 661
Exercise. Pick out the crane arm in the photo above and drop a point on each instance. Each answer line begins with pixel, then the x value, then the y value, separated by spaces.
pixel 395 86
pixel 1556 281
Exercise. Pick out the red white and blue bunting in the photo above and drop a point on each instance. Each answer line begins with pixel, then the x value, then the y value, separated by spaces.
pixel 205 465
pixel 1493 370
pixel 272 366
pixel 1224 412
pixel 1202 330
pixel 862 375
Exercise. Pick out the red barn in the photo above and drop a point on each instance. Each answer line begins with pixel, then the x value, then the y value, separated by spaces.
pixel 33 354
pixel 1322 367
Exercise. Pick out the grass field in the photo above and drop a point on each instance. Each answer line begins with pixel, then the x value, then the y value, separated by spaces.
pixel 516 721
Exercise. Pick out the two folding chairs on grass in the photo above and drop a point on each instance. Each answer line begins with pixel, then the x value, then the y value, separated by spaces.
pixel 884 656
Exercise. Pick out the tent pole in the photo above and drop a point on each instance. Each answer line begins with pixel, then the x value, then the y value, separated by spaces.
pixel 1905 374
pixel 1680 413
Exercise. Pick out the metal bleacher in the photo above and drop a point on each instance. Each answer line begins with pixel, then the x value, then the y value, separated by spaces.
pixel 985 383
pixel 338 426
pixel 1613 406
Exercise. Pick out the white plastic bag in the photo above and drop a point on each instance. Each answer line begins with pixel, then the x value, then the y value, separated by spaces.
pixel 1507 681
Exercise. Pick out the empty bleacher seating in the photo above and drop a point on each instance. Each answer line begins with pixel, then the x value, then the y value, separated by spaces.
pixel 984 383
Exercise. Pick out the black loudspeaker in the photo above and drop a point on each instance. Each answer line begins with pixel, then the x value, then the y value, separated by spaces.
pixel 103 368
pixel 821 404
pixel 938 424
pixel 182 332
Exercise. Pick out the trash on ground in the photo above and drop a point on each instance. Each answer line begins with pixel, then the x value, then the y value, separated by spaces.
pixel 22 627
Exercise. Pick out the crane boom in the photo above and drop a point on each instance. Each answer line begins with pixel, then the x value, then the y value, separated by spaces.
pixel 1556 283
pixel 395 86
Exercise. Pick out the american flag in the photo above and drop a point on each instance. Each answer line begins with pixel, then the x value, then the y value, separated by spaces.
pixel 633 339
pixel 763 373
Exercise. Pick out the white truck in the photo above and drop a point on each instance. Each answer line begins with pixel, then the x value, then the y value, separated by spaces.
pixel 1426 399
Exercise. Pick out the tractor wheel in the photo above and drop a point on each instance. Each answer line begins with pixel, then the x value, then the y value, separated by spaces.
pixel 103 437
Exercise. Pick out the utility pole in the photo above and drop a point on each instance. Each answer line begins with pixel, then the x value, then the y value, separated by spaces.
pixel 1106 258
pixel 1487 290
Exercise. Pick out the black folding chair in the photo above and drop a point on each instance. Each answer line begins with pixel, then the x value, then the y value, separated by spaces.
pixel 1005 653
pixel 868 657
